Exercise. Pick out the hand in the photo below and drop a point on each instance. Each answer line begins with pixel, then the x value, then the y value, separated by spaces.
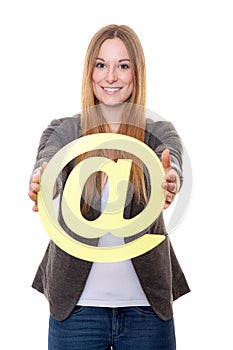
pixel 172 179
pixel 35 186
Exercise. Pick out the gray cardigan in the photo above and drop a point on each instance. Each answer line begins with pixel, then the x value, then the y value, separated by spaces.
pixel 62 277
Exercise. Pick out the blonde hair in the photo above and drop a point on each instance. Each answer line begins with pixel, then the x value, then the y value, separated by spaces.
pixel 134 124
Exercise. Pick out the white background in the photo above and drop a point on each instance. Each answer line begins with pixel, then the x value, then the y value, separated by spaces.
pixel 188 48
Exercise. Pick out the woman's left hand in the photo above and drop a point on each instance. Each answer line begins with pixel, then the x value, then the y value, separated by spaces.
pixel 171 184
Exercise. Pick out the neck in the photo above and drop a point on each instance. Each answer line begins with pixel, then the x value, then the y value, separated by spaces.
pixel 113 114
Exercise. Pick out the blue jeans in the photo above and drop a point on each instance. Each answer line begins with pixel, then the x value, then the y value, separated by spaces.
pixel 102 328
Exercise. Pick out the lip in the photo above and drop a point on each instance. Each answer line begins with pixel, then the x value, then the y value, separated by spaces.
pixel 111 90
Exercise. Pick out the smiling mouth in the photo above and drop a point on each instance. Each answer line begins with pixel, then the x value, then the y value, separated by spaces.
pixel 112 89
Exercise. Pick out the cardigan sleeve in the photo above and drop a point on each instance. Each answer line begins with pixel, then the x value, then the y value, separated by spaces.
pixel 161 135
pixel 58 134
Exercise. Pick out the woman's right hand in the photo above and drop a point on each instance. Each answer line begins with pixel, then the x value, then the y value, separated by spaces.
pixel 35 186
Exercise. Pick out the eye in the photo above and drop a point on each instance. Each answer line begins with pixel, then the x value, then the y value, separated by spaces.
pixel 100 65
pixel 124 66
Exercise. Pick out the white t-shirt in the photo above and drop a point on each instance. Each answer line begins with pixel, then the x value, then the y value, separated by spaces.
pixel 112 284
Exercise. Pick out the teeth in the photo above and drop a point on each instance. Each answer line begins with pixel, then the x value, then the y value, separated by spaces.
pixel 111 89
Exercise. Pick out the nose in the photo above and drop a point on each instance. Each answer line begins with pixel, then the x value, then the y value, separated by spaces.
pixel 111 75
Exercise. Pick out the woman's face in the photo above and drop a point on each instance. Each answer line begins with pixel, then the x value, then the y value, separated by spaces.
pixel 112 77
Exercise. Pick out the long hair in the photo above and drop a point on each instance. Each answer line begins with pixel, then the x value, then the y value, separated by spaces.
pixel 92 121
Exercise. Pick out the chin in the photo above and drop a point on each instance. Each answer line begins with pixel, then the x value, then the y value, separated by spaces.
pixel 113 103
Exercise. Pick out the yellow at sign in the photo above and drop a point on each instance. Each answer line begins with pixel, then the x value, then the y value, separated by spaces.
pixel 112 218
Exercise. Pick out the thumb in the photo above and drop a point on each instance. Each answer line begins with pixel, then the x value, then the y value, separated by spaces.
pixel 44 164
pixel 38 175
pixel 166 160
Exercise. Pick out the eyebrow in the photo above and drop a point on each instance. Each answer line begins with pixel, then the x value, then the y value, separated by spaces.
pixel 121 60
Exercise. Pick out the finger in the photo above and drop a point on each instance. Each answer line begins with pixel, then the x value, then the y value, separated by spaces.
pixel 33 196
pixel 166 160
pixel 169 197
pixel 36 177
pixel 170 187
pixel 34 187
pixel 166 205
pixel 35 207
pixel 168 200
pixel 170 176
pixel 44 165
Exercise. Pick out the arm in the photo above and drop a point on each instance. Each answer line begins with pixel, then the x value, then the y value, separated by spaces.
pixel 171 185
pixel 54 137
pixel 34 185
pixel 164 140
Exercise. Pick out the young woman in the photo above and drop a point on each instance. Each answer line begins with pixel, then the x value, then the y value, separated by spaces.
pixel 126 304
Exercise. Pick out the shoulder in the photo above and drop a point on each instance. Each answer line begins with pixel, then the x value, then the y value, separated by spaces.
pixel 156 127
pixel 73 121
pixel 65 129
pixel 158 132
